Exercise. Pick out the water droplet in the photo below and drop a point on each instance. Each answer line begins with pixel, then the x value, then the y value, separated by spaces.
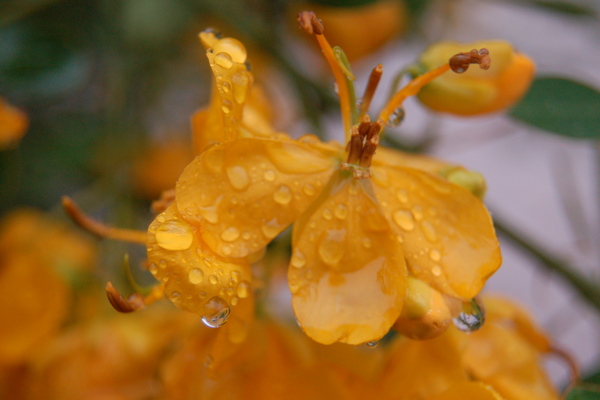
pixel 226 106
pixel 235 300
pixel 246 235
pixel 208 362
pixel 341 211
pixel 226 250
pixel 224 60
pixel 230 234
pixel 230 291
pixel 241 86
pixel 238 177
pixel 372 344
pixel 213 279
pixel 366 242
pixel 226 87
pixel 435 255
pixel 215 313
pixel 235 275
pixel 327 214
pixel 471 317
pixel 202 295
pixel 269 175
pixel 174 235
pixel 298 260
pixel 160 219
pixel 396 118
pixel 243 289
pixel 233 47
pixel 162 264
pixel 196 276
pixel 153 268
pixel 174 295
pixel 312 224
pixel 222 291
pixel 404 219
pixel 429 231
pixel 417 212
pixel 402 196
pixel 309 189
pixel 283 195
pixel 436 270
pixel 331 249
pixel 271 228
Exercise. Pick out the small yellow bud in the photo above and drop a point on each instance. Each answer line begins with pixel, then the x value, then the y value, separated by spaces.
pixel 426 313
pixel 476 91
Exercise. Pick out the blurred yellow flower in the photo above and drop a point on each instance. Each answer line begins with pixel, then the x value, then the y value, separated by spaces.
pixel 354 237
pixel 361 30
pixel 477 92
pixel 13 124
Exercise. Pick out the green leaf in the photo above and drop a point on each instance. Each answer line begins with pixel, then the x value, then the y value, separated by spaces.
pixel 565 7
pixel 561 106
pixel 583 392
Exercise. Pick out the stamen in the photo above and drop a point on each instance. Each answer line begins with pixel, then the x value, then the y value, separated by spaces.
pixel 458 63
pixel 98 228
pixel 374 79
pixel 362 146
pixel 309 22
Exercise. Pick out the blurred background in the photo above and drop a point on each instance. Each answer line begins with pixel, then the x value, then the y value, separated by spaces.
pixel 97 97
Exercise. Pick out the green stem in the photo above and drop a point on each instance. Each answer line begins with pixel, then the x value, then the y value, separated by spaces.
pixel 587 289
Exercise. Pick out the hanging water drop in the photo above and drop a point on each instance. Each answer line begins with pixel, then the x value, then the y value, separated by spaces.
pixel 216 311
pixel 471 317
pixel 223 60
pixel 396 118
pixel 372 344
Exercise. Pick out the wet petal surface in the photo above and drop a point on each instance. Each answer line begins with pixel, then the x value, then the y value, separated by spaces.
pixel 447 235
pixel 347 274
pixel 244 193
pixel 195 279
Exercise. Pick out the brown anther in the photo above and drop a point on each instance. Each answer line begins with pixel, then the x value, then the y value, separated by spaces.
pixel 98 228
pixel 133 303
pixel 368 152
pixel 460 62
pixel 364 126
pixel 355 145
pixel 372 84
pixel 375 129
pixel 309 22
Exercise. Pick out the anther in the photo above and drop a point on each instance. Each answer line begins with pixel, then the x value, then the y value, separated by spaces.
pixel 121 304
pixel 460 62
pixel 309 22
pixel 372 84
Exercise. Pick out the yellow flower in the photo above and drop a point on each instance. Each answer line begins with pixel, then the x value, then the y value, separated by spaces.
pixel 34 297
pixel 13 124
pixel 354 239
pixel 362 29
pixel 476 92
pixel 506 353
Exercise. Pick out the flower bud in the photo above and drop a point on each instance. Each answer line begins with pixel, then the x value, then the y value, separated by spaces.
pixel 476 91
pixel 473 181
pixel 426 313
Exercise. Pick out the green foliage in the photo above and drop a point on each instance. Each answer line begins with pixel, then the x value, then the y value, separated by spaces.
pixel 565 7
pixel 561 106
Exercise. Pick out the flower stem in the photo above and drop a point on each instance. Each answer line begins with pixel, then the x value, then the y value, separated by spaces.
pixel 587 289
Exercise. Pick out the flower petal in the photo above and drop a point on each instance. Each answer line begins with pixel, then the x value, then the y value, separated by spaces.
pixel 245 192
pixel 347 274
pixel 195 279
pixel 447 234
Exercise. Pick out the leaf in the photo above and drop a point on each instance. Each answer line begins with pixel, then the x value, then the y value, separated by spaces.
pixel 584 392
pixel 561 106
pixel 565 7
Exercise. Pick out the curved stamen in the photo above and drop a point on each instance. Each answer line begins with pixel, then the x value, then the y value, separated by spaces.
pixel 459 63
pixel 309 22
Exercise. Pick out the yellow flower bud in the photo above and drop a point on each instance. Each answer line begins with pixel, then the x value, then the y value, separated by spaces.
pixel 476 91
pixel 473 181
pixel 426 313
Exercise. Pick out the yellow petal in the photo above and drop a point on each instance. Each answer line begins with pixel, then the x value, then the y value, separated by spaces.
pixel 393 158
pixel 447 235
pixel 231 89
pixel 422 369
pixel 347 274
pixel 195 279
pixel 245 192
pixel 469 390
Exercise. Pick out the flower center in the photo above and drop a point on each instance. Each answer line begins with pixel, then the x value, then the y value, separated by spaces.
pixel 361 147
